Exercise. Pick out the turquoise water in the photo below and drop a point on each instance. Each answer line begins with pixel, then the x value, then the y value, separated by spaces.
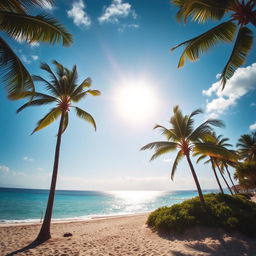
pixel 29 204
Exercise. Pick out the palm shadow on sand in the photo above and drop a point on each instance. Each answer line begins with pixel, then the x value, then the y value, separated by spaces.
pixel 214 242
pixel 28 247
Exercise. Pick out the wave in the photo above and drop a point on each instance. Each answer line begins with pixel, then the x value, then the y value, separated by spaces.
pixel 80 218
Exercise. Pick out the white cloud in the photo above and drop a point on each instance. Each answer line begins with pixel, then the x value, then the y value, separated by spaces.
pixel 79 16
pixel 243 81
pixel 117 9
pixel 253 104
pixel 29 59
pixel 34 57
pixel 252 127
pixel 26 158
pixel 123 27
pixel 4 168
pixel 25 59
pixel 40 169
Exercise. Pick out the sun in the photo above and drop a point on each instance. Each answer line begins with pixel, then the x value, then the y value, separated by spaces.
pixel 136 100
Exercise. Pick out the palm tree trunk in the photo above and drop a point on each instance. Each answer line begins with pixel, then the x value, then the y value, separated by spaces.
pixel 224 179
pixel 199 190
pixel 216 176
pixel 231 179
pixel 45 233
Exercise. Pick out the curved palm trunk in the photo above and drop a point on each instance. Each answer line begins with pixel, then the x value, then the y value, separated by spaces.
pixel 216 176
pixel 231 179
pixel 45 233
pixel 199 190
pixel 224 179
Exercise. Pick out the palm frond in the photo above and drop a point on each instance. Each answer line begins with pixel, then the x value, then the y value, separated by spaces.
pixel 216 151
pixel 12 6
pixel 175 163
pixel 204 130
pixel 48 119
pixel 40 28
pixel 14 75
pixel 79 96
pixel 196 46
pixel 20 6
pixel 94 92
pixel 38 102
pixel 201 10
pixel 178 121
pixel 60 70
pixel 161 151
pixel 54 80
pixel 86 116
pixel 238 56
pixel 168 133
pixel 86 83
pixel 200 158
pixel 80 89
pixel 190 121
pixel 158 144
pixel 49 86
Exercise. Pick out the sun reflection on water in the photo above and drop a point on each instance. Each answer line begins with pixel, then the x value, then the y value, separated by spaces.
pixel 130 201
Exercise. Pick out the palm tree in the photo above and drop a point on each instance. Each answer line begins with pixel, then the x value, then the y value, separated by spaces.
pixel 224 166
pixel 17 24
pixel 210 160
pixel 182 136
pixel 217 153
pixel 247 147
pixel 239 14
pixel 246 174
pixel 64 90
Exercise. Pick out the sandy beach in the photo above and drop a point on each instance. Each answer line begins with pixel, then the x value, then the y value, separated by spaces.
pixel 127 235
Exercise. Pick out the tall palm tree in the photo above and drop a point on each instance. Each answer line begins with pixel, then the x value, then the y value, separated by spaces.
pixel 183 136
pixel 221 171
pixel 211 160
pixel 247 147
pixel 17 24
pixel 64 90
pixel 224 166
pixel 217 153
pixel 237 16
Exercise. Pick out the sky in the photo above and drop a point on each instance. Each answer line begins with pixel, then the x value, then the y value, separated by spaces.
pixel 124 47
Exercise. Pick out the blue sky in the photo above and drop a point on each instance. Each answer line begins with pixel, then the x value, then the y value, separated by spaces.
pixel 118 43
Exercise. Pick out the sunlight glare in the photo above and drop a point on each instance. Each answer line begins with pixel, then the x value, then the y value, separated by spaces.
pixel 136 100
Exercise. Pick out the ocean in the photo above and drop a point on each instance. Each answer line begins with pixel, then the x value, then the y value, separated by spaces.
pixel 28 205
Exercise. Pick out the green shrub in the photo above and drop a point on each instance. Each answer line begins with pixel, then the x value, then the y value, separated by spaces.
pixel 231 213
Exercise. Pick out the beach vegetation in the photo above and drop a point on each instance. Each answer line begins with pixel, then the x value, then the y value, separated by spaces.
pixel 245 173
pixel 182 136
pixel 238 14
pixel 230 213
pixel 64 90
pixel 18 24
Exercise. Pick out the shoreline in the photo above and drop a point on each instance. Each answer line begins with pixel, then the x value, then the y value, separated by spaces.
pixel 73 220
pixel 121 236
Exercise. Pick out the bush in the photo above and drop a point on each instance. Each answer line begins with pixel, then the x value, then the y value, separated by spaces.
pixel 231 213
